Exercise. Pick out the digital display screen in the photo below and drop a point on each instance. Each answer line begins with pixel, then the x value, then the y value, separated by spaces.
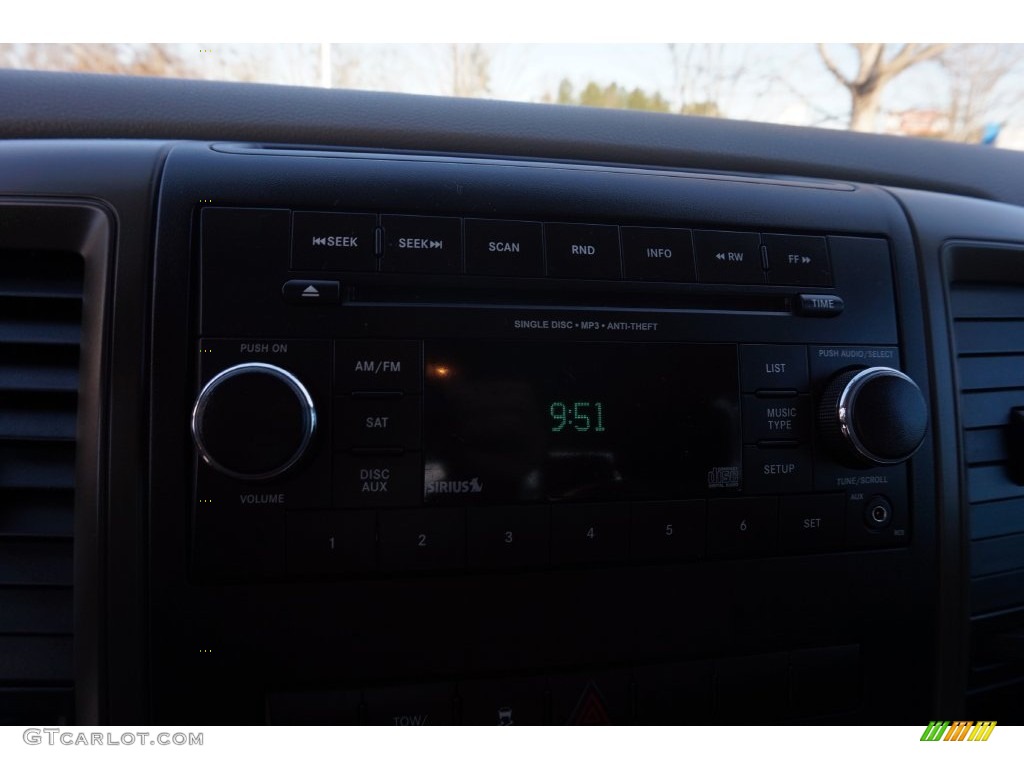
pixel 529 422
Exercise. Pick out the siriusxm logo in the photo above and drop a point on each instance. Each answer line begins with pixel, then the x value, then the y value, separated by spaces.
pixel 454 486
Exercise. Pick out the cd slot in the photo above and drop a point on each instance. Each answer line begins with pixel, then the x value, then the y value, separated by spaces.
pixel 620 296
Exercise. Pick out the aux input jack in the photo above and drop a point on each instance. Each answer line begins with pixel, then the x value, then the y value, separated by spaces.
pixel 877 513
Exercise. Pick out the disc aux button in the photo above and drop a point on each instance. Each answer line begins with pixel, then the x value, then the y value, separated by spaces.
pixel 377 481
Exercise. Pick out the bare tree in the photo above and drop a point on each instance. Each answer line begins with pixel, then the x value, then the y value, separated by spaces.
pixel 706 75
pixel 976 96
pixel 471 70
pixel 874 72
pixel 154 59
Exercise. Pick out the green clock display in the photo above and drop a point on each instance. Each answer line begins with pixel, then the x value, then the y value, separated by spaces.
pixel 581 416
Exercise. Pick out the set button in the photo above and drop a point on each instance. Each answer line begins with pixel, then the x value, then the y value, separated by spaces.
pixel 812 523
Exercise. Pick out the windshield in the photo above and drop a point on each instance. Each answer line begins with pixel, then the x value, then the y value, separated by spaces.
pixel 957 92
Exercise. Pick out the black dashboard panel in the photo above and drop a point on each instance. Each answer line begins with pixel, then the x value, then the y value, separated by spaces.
pixel 603 616
pixel 194 601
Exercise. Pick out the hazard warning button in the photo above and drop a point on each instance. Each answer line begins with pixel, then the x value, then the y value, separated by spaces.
pixel 601 700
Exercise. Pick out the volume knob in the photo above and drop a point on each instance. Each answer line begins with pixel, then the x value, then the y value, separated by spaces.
pixel 872 417
pixel 253 421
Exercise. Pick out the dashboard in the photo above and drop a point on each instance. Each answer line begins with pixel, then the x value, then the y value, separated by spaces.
pixel 348 408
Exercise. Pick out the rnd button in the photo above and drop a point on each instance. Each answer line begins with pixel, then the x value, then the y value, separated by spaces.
pixel 378 481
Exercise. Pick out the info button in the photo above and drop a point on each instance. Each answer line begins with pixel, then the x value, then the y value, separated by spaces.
pixel 658 254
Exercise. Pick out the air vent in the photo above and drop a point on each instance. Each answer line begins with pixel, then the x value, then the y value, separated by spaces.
pixel 987 307
pixel 40 329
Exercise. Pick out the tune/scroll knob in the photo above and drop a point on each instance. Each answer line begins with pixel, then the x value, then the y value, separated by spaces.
pixel 253 421
pixel 872 417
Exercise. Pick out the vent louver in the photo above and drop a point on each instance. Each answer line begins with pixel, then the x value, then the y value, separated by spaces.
pixel 40 329
pixel 987 307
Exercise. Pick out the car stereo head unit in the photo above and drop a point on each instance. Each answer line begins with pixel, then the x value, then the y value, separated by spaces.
pixel 386 393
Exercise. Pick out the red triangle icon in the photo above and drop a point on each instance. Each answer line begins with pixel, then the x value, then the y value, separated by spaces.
pixel 590 709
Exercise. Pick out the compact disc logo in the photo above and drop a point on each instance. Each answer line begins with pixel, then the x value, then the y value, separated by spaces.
pixel 455 486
